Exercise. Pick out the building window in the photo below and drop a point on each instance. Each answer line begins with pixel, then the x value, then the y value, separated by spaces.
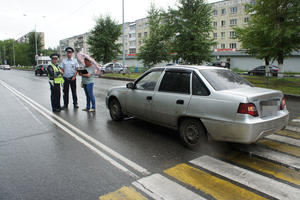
pixel 132 51
pixel 223 23
pixel 246 19
pixel 223 46
pixel 233 22
pixel 233 10
pixel 223 11
pixel 132 43
pixel 215 46
pixel 232 34
pixel 232 45
pixel 215 12
pixel 140 42
pixel 215 24
pixel 222 34
pixel 145 34
pixel 139 35
pixel 215 35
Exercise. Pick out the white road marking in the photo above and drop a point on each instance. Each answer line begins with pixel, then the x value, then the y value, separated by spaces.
pixel 285 140
pixel 161 188
pixel 285 159
pixel 49 115
pixel 293 128
pixel 253 180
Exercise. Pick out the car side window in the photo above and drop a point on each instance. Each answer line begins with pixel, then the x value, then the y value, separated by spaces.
pixel 117 66
pixel 199 87
pixel 149 81
pixel 176 82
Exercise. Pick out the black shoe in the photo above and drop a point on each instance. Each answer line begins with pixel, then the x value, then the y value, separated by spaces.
pixel 76 106
pixel 64 108
pixel 56 110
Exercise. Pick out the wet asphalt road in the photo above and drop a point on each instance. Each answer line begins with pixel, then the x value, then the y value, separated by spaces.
pixel 38 160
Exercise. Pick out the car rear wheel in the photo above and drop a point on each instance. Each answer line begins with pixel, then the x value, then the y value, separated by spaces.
pixel 115 110
pixel 192 133
pixel 35 73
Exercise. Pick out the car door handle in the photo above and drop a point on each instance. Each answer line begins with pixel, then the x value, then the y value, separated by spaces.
pixel 179 101
pixel 149 98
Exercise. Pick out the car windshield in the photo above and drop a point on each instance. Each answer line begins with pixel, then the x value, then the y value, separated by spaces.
pixel 221 79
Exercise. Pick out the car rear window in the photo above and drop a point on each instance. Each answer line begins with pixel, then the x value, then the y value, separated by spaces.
pixel 221 79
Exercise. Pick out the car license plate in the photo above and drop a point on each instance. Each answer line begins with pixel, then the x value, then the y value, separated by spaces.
pixel 269 110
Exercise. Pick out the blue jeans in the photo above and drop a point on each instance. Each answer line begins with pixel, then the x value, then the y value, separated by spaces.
pixel 88 89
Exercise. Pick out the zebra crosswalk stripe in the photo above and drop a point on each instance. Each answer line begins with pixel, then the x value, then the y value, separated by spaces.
pixel 287 160
pixel 159 187
pixel 283 139
pixel 253 180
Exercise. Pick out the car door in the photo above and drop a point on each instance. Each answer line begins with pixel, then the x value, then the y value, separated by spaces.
pixel 139 99
pixel 173 97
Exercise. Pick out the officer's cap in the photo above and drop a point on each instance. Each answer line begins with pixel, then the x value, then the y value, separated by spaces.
pixel 54 55
pixel 69 49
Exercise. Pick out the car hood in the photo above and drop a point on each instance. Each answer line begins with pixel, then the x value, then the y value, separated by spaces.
pixel 255 93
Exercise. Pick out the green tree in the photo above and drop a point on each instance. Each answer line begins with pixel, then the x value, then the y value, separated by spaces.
pixel 32 46
pixel 49 51
pixel 102 39
pixel 280 21
pixel 191 23
pixel 156 47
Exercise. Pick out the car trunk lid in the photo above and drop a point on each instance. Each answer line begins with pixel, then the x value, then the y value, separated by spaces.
pixel 267 101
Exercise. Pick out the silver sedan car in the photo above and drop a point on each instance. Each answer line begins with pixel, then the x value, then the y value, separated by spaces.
pixel 201 102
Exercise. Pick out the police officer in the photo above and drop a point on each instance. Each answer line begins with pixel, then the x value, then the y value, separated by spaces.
pixel 69 66
pixel 55 80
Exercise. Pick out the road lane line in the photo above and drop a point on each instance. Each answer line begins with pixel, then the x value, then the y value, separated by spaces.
pixel 160 188
pixel 264 166
pixel 285 148
pixel 125 193
pixel 91 147
pixel 91 139
pixel 209 184
pixel 253 180
pixel 285 140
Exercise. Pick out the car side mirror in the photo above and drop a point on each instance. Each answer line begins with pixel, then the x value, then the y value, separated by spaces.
pixel 130 86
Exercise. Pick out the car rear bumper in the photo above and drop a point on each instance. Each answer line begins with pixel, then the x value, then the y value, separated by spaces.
pixel 248 132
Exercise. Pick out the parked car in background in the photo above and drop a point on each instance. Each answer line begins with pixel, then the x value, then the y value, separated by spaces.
pixel 261 70
pixel 201 102
pixel 5 67
pixel 113 67
pixel 41 69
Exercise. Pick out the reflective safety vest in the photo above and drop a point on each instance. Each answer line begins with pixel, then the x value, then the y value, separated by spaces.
pixel 59 79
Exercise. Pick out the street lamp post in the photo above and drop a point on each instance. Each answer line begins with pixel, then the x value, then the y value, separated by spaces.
pixel 36 50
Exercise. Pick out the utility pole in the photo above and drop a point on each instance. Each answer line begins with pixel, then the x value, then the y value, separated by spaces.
pixel 36 50
pixel 123 36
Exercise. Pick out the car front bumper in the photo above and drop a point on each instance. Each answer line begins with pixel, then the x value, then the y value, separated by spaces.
pixel 248 132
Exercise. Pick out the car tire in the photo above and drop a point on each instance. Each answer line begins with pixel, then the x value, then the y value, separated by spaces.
pixel 115 110
pixel 192 133
pixel 35 73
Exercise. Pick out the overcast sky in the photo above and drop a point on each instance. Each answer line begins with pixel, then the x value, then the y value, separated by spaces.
pixel 60 19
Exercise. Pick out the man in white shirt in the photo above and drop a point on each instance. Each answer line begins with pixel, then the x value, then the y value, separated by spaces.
pixel 69 66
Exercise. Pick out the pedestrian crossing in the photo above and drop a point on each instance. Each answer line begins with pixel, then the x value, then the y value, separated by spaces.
pixel 269 169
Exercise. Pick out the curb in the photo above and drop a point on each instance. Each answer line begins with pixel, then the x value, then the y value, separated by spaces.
pixel 118 78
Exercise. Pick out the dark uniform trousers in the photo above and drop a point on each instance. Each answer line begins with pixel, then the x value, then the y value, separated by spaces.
pixel 55 96
pixel 68 82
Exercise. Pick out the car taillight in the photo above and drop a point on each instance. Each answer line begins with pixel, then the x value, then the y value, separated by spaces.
pixel 282 104
pixel 42 68
pixel 248 108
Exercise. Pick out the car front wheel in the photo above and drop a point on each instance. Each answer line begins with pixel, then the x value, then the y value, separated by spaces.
pixel 192 133
pixel 115 110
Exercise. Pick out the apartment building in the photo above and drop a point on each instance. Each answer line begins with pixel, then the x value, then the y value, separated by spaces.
pixel 228 14
pixel 78 42
pixel 134 34
pixel 25 38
